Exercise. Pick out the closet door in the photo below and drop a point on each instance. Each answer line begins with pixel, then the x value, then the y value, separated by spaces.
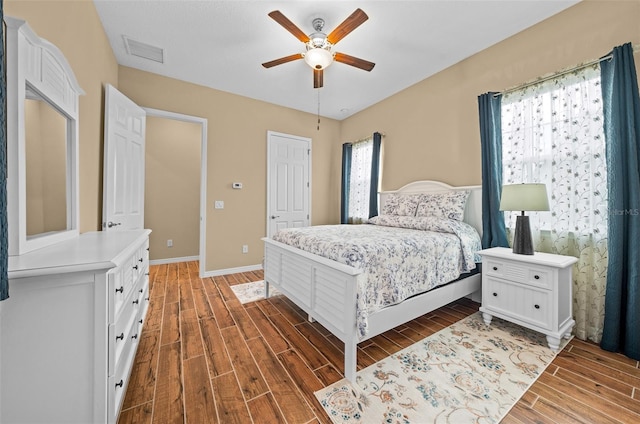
pixel 288 181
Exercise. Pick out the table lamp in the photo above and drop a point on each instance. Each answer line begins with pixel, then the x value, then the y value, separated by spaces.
pixel 523 197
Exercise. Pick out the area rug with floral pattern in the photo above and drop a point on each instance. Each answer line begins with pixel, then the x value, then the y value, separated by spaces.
pixel 466 373
pixel 250 292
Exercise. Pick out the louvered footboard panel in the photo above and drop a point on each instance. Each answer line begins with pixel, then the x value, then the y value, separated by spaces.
pixel 334 299
pixel 296 279
pixel 323 288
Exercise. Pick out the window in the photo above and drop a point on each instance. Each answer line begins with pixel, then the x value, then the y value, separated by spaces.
pixel 552 133
pixel 360 175
pixel 360 180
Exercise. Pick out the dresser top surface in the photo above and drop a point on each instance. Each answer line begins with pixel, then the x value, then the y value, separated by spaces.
pixel 98 250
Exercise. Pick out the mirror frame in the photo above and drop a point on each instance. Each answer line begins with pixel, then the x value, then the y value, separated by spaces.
pixel 34 61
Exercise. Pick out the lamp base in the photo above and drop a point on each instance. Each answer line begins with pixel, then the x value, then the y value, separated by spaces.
pixel 522 243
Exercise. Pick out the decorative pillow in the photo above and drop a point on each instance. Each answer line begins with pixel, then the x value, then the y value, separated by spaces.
pixel 401 204
pixel 443 205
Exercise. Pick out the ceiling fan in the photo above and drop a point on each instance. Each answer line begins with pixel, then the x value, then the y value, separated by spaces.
pixel 319 54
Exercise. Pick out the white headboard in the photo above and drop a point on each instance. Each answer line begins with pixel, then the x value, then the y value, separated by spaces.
pixel 473 209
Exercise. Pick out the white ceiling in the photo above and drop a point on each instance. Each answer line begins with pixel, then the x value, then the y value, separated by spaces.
pixel 222 44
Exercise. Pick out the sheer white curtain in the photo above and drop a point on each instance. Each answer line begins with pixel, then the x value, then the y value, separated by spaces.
pixel 552 133
pixel 360 181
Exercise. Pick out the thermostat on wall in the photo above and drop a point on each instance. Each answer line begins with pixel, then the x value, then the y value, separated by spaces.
pixel 236 185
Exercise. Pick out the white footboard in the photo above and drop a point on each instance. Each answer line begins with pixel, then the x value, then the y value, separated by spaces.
pixel 324 289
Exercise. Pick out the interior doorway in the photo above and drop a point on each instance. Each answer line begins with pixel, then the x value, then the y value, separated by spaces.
pixel 175 192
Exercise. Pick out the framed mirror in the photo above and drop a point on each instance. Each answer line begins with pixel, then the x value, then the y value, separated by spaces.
pixel 42 141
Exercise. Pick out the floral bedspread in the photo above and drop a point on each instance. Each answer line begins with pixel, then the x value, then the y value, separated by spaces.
pixel 400 256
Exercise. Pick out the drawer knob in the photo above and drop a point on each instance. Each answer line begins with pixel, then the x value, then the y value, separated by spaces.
pixel 495 268
pixel 140 290
pixel 536 306
pixel 140 321
pixel 495 294
pixel 146 298
pixel 140 260
pixel 120 384
pixel 135 302
pixel 134 337
pixel 120 337
pixel 121 289
pixel 135 267
pixel 537 277
pixel 147 249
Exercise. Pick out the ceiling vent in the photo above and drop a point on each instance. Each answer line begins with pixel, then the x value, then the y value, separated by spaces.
pixel 145 51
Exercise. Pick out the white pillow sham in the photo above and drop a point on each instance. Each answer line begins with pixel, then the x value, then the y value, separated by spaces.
pixel 443 205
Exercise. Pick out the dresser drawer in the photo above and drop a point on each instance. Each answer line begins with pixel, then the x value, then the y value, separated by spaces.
pixel 140 261
pixel 144 304
pixel 124 322
pixel 529 274
pixel 120 378
pixel 116 294
pixel 527 304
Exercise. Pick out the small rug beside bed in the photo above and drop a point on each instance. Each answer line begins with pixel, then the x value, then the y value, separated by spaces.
pixel 465 373
pixel 250 292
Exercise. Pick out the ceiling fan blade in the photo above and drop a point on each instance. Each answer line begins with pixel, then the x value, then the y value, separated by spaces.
pixel 277 16
pixel 317 78
pixel 352 22
pixel 354 61
pixel 282 60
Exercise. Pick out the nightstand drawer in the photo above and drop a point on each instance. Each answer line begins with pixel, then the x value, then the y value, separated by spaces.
pixel 527 304
pixel 539 277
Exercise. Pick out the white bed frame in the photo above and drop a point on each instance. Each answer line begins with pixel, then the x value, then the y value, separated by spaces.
pixel 326 289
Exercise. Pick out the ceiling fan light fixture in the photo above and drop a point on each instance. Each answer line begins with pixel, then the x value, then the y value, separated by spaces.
pixel 318 58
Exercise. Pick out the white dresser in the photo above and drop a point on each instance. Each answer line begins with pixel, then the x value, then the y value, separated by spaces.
pixel 534 291
pixel 70 329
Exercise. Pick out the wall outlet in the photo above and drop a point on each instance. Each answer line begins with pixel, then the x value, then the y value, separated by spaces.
pixel 169 243
pixel 245 248
pixel 218 204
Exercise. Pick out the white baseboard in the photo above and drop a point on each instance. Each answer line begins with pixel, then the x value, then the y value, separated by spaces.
pixel 213 273
pixel 174 260
pixel 218 272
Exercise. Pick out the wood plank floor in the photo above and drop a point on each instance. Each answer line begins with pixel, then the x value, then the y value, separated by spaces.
pixel 205 358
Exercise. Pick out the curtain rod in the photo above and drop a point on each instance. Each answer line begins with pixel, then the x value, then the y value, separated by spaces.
pixel 367 138
pixel 636 49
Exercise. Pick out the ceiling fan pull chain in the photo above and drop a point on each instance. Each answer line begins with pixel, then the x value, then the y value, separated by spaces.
pixel 318 109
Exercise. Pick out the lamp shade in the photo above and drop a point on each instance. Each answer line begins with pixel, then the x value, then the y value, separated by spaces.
pixel 318 58
pixel 524 197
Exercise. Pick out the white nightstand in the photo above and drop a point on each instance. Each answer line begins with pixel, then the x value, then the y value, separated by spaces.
pixel 530 290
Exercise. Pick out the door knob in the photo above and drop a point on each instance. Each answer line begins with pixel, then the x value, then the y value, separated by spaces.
pixel 113 224
pixel 275 216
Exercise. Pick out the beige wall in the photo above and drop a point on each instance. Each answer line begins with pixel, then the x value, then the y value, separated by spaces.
pixel 432 129
pixel 236 151
pixel 172 188
pixel 74 27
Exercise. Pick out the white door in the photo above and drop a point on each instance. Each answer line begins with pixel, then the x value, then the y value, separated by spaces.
pixel 288 181
pixel 123 184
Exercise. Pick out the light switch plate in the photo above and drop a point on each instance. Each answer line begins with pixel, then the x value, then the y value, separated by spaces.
pixel 218 204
